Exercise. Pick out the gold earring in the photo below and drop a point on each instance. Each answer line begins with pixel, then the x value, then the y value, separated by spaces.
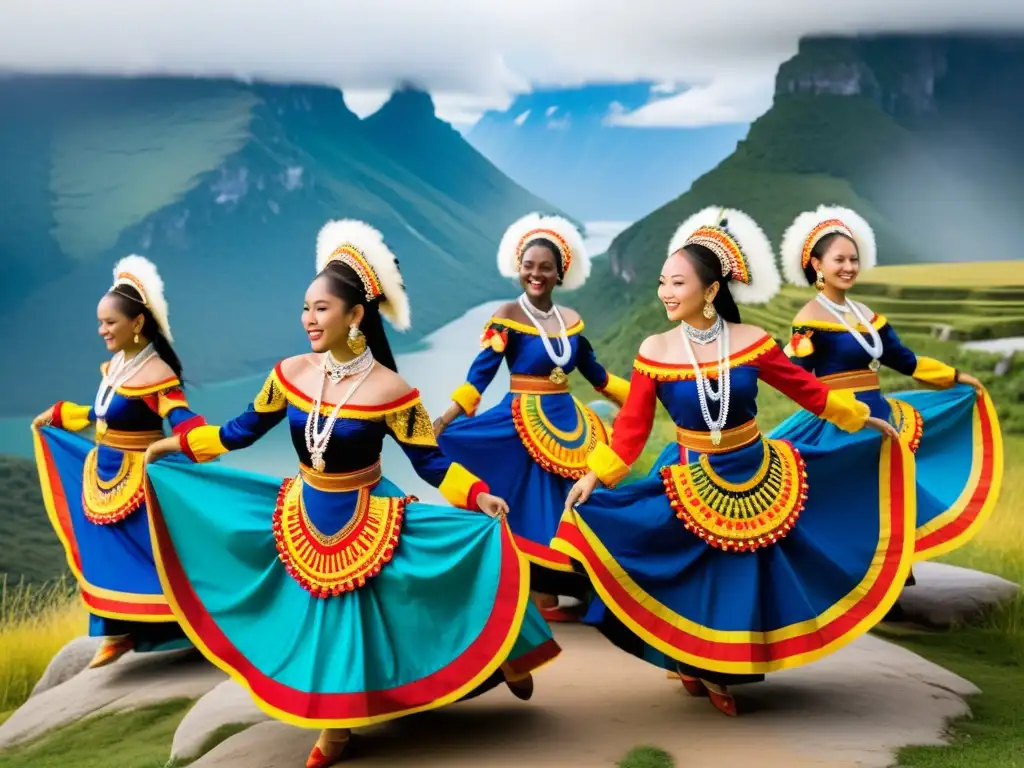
pixel 820 282
pixel 136 338
pixel 356 340
pixel 709 310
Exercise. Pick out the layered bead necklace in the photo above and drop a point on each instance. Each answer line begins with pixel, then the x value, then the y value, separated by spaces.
pixel 317 435
pixel 560 359
pixel 705 390
pixel 840 312
pixel 119 372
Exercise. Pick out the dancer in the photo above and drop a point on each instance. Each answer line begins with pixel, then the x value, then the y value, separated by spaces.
pixel 93 490
pixel 954 432
pixel 335 599
pixel 756 554
pixel 533 445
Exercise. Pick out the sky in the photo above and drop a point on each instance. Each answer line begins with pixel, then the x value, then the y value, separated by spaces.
pixel 715 61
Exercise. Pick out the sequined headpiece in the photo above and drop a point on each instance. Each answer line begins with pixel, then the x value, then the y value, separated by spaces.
pixel 142 275
pixel 810 227
pixel 742 248
pixel 572 253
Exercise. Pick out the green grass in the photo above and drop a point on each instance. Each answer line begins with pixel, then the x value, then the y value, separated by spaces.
pixel 31 549
pixel 647 757
pixel 138 738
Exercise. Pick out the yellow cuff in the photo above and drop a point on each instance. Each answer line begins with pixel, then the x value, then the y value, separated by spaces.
pixel 458 482
pixel 843 409
pixel 616 390
pixel 74 418
pixel 467 397
pixel 203 443
pixel 929 371
pixel 606 464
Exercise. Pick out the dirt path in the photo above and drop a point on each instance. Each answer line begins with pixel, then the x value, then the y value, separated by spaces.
pixel 595 703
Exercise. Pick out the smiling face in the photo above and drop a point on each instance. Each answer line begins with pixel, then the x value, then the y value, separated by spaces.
pixel 115 328
pixel 839 263
pixel 538 271
pixel 681 289
pixel 326 317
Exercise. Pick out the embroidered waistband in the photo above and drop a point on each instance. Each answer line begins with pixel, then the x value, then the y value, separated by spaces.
pixel 123 440
pixel 737 437
pixel 521 384
pixel 333 482
pixel 859 381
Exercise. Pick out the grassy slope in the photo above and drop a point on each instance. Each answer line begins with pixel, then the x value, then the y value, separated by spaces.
pixel 30 547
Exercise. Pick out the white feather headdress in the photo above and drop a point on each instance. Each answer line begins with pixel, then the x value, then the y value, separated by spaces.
pixel 362 247
pixel 741 246
pixel 561 232
pixel 810 226
pixel 142 275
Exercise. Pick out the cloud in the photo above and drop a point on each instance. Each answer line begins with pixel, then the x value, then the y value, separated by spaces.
pixel 716 51
pixel 735 98
pixel 550 111
pixel 521 118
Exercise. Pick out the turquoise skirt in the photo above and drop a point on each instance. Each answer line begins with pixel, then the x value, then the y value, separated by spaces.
pixel 530 450
pixel 738 564
pixel 957 443
pixel 408 607
pixel 94 497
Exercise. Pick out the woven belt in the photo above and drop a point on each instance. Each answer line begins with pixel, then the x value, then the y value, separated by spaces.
pixel 124 440
pixel 521 384
pixel 333 482
pixel 734 438
pixel 858 381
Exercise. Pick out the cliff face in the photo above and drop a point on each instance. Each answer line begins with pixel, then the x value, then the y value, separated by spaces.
pixel 921 135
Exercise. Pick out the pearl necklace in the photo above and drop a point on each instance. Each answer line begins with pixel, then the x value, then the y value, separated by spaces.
pixel 118 372
pixel 714 425
pixel 840 311
pixel 337 371
pixel 562 358
pixel 317 436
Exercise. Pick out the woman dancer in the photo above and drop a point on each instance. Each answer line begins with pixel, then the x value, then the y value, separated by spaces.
pixel 755 555
pixel 533 445
pixel 93 490
pixel 336 600
pixel 954 432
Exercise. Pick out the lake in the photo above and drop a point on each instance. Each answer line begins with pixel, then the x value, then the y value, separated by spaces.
pixel 436 370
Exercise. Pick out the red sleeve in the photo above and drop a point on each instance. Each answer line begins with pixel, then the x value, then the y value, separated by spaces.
pixel 633 425
pixel 779 372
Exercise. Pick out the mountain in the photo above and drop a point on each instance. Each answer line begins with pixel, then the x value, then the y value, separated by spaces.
pixel 561 144
pixel 917 133
pixel 224 186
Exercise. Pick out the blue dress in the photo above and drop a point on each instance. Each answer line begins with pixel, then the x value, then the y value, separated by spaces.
pixel 94 494
pixel 756 555
pixel 953 431
pixel 336 600
pixel 533 445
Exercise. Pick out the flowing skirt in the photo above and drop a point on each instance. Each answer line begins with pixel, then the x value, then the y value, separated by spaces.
pixel 112 561
pixel 723 567
pixel 530 449
pixel 419 605
pixel 958 447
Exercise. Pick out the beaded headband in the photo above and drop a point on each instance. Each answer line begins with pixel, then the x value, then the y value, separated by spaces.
pixel 142 275
pixel 827 227
pixel 350 255
pixel 564 251
pixel 743 250
pixel 718 240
